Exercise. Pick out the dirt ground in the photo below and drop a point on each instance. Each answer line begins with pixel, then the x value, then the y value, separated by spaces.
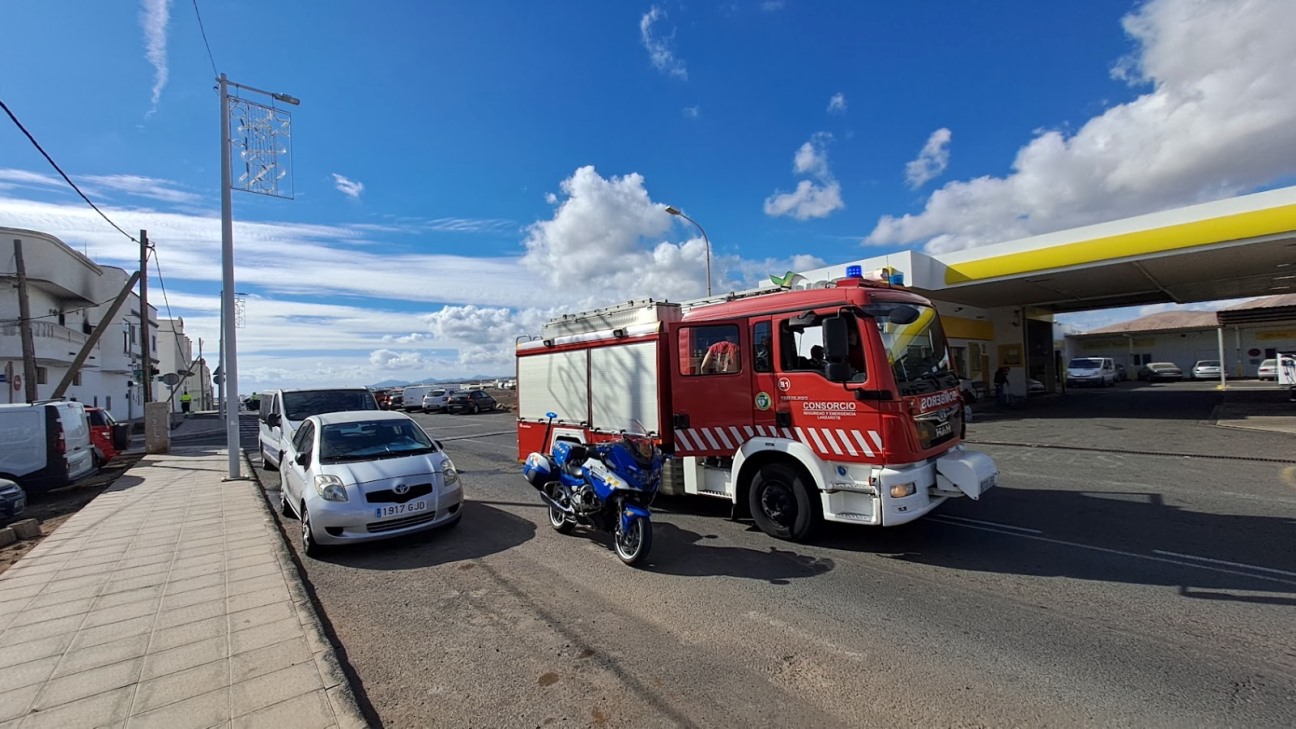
pixel 56 507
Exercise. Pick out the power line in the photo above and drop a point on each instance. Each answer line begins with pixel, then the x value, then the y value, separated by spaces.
pixel 157 265
pixel 204 37
pixel 58 169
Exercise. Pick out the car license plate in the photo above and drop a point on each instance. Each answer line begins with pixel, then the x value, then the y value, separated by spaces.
pixel 382 512
pixel 944 429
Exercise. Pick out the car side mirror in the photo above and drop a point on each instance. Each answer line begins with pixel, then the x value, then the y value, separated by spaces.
pixel 303 459
pixel 272 420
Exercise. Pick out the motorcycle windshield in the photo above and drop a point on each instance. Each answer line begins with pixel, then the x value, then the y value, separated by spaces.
pixel 635 457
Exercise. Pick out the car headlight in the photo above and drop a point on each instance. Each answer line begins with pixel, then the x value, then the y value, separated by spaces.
pixel 330 488
pixel 449 473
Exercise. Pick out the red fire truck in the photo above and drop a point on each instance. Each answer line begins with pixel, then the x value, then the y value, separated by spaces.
pixel 836 402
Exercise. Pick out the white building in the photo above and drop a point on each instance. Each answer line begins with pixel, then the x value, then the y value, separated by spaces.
pixel 1240 336
pixel 68 295
pixel 176 356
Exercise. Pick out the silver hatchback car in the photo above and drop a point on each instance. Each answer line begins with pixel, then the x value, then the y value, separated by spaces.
pixel 359 476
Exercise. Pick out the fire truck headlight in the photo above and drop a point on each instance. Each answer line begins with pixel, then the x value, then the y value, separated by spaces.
pixel 901 490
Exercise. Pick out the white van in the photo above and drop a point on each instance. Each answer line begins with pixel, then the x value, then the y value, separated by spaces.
pixel 1098 371
pixel 45 445
pixel 412 398
pixel 281 411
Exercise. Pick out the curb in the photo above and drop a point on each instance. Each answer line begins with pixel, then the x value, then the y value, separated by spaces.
pixel 341 696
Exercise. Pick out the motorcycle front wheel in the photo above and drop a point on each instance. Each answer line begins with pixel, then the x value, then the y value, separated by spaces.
pixel 557 519
pixel 633 544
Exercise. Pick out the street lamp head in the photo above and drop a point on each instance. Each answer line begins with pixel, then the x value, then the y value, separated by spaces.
pixel 285 98
pixel 673 210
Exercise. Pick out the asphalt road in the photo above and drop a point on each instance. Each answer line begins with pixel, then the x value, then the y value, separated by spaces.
pixel 1092 587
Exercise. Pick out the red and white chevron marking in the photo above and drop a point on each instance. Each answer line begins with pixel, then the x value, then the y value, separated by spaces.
pixel 826 442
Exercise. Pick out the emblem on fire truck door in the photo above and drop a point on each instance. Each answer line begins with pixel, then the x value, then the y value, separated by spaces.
pixel 762 401
pixel 784 384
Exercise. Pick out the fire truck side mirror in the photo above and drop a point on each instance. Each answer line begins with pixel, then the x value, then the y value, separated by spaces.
pixel 836 338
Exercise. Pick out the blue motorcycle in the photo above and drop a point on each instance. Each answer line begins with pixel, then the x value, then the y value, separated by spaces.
pixel 608 486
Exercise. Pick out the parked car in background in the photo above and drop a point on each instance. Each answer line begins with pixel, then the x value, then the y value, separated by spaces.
pixel 13 500
pixel 45 445
pixel 1206 369
pixel 395 399
pixel 435 400
pixel 110 437
pixel 1121 373
pixel 1268 369
pixel 1097 371
pixel 412 397
pixel 381 397
pixel 472 401
pixel 1034 387
pixel 356 477
pixel 1160 372
pixel 284 410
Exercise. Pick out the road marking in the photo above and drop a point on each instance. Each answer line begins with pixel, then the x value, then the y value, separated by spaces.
pixel 987 523
pixel 1107 550
pixel 1243 565
pixel 1289 476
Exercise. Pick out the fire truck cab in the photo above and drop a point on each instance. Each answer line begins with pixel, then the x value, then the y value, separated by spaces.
pixel 837 403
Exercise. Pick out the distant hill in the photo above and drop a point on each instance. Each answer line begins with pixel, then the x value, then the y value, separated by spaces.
pixel 437 380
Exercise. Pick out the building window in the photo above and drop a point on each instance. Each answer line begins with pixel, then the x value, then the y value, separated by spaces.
pixel 107 402
pixel 1141 359
pixel 41 376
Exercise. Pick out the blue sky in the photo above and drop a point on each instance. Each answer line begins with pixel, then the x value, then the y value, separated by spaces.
pixel 463 171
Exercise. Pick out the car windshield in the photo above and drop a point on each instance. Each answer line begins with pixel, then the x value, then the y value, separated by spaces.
pixel 1085 363
pixel 1208 363
pixel 99 417
pixel 302 405
pixel 1161 366
pixel 915 345
pixel 371 440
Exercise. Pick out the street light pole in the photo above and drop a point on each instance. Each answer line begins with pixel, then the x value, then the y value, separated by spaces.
pixel 676 211
pixel 228 347
pixel 259 132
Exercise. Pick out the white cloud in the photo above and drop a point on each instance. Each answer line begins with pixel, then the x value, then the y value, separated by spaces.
pixel 932 160
pixel 146 187
pixel 387 359
pixel 810 199
pixel 837 104
pixel 606 234
pixel 1218 120
pixel 692 112
pixel 153 19
pixel 659 47
pixel 770 6
pixel 348 187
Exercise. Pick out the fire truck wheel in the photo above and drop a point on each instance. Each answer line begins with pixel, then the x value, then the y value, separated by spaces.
pixel 781 504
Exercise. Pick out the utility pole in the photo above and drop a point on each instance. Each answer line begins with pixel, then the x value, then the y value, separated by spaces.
pixel 24 325
pixel 146 380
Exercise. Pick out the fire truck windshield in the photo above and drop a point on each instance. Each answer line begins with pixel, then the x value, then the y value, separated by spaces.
pixel 915 345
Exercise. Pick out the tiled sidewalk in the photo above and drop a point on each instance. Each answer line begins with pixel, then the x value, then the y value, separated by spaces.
pixel 170 601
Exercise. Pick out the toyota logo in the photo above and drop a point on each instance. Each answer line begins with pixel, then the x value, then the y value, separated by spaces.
pixel 401 489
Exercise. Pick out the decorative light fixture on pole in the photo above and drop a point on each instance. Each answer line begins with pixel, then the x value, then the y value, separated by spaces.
pixel 676 211
pixel 264 135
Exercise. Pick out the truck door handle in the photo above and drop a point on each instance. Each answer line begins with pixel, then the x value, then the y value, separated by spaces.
pixel 680 420
pixel 783 419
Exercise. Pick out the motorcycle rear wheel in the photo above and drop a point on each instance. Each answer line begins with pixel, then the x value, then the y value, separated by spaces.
pixel 557 519
pixel 634 544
